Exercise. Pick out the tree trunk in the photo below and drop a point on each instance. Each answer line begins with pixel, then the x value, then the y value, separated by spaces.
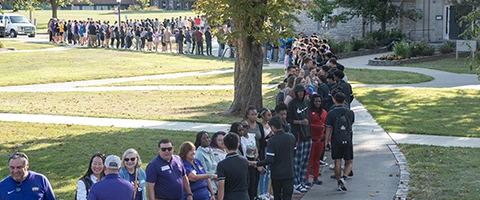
pixel 248 72
pixel 384 26
pixel 364 26
pixel 54 8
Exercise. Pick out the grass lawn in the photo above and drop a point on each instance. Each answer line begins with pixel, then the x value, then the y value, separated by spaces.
pixel 442 173
pixel 197 106
pixel 62 152
pixel 89 64
pixel 448 112
pixel 20 45
pixel 274 76
pixel 43 16
pixel 449 65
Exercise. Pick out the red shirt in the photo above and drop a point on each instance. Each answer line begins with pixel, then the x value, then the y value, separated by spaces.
pixel 318 125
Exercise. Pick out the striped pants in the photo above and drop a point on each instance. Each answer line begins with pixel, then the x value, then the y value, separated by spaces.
pixel 302 156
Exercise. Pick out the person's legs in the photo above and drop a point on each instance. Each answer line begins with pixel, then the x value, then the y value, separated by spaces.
pixel 305 156
pixel 197 50
pixel 188 47
pixel 312 161
pixel 297 163
pixel 201 47
pixel 277 189
pixel 287 189
pixel 251 182
pixel 281 54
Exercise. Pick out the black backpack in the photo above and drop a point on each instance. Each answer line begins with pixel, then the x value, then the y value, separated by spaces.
pixel 88 184
pixel 343 130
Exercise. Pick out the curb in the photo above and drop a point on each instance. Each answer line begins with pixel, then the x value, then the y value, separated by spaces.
pixel 402 163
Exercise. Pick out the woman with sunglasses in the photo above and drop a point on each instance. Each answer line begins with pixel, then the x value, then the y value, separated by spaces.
pixel 132 172
pixel 200 180
pixel 94 174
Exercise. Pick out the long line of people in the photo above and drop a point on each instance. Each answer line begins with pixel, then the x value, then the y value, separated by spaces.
pixel 280 152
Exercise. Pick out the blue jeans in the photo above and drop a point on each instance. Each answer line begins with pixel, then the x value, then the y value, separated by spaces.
pixel 264 182
pixel 281 55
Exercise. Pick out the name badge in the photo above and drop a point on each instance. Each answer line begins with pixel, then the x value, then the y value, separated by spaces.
pixel 194 172
pixel 35 189
pixel 165 168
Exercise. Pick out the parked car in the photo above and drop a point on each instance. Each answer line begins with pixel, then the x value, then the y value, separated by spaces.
pixel 17 25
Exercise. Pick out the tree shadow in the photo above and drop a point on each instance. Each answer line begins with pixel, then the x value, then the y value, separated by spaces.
pixel 123 12
pixel 191 56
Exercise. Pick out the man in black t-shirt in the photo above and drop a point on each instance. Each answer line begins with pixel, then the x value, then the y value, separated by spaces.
pixel 340 150
pixel 232 172
pixel 92 34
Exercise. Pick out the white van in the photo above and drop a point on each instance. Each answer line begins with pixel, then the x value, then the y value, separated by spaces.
pixel 17 25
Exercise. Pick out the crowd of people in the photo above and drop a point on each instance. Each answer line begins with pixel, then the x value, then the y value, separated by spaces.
pixel 270 150
pixel 190 34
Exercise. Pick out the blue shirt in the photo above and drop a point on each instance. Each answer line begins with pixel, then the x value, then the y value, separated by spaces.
pixel 34 187
pixel 111 187
pixel 167 176
pixel 199 188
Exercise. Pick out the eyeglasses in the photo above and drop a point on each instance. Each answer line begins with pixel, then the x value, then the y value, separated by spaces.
pixel 19 187
pixel 17 155
pixel 165 149
pixel 129 159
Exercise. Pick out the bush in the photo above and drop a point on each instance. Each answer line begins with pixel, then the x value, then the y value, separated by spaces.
pixel 356 44
pixel 1 44
pixel 421 49
pixel 134 7
pixel 396 33
pixel 402 48
pixel 370 43
pixel 447 47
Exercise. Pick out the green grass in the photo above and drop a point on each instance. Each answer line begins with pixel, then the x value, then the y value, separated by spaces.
pixel 89 64
pixel 20 45
pixel 442 173
pixel 448 112
pixel 63 152
pixel 197 106
pixel 449 65
pixel 43 16
pixel 274 76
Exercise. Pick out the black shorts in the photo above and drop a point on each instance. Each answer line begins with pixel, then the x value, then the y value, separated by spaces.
pixel 345 152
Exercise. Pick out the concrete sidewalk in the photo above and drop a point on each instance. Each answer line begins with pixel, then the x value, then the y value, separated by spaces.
pixel 446 141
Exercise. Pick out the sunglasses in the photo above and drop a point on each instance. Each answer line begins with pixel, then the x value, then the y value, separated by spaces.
pixel 165 149
pixel 17 155
pixel 129 159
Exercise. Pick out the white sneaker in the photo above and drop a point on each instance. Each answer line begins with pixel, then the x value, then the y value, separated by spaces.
pixel 331 166
pixel 301 188
pixel 295 191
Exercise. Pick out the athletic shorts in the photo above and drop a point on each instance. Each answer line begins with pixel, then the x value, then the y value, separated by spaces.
pixel 102 38
pixel 345 152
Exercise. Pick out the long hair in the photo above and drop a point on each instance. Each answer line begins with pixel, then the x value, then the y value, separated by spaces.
pixel 213 141
pixel 312 104
pixel 89 170
pixel 198 138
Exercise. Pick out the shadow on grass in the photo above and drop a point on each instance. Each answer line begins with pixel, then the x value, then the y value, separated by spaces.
pixel 447 112
pixel 65 158
pixel 159 11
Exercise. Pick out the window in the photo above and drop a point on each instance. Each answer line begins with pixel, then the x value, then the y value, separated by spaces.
pixel 18 19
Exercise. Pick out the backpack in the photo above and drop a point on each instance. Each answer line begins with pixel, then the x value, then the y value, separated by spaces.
pixel 88 184
pixel 343 130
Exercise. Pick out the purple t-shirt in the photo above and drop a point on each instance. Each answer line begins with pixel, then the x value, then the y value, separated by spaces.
pixel 167 176
pixel 112 187
pixel 35 186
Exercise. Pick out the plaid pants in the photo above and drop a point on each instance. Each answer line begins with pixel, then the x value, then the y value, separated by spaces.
pixel 302 156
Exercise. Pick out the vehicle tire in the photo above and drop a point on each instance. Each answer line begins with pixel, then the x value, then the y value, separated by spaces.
pixel 32 35
pixel 13 33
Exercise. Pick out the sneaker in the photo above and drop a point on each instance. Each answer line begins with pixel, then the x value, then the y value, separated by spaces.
pixel 307 186
pixel 295 191
pixel 323 164
pixel 333 176
pixel 351 173
pixel 341 183
pixel 317 182
pixel 331 166
pixel 301 188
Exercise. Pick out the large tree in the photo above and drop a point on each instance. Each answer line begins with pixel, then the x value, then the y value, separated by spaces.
pixel 254 23
pixel 470 9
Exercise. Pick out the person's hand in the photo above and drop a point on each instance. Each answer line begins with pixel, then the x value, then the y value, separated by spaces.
pixel 252 163
pixel 261 170
pixel 213 177
pixel 189 197
pixel 250 151
pixel 327 146
pixel 305 121
pixel 212 197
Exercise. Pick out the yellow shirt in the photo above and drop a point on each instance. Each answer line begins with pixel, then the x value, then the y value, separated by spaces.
pixel 61 27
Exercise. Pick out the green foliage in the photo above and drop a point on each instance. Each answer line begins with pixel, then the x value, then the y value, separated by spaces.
pixel 263 20
pixel 144 4
pixel 403 49
pixel 321 9
pixel 421 49
pixel 1 44
pixel 447 47
pixel 381 35
pixel 472 30
pixel 370 43
pixel 134 7
pixel 357 44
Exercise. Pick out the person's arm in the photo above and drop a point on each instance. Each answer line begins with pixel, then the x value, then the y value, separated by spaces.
pixel 221 189
pixel 81 190
pixel 198 177
pixel 210 189
pixel 151 191
pixel 186 187
pixel 270 155
pixel 287 100
pixel 329 135
pixel 48 191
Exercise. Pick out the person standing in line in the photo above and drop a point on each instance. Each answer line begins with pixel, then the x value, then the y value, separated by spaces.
pixel 166 175
pixel 280 154
pixel 339 138
pixel 24 184
pixel 94 174
pixel 208 41
pixel 199 40
pixel 132 172
pixel 112 187
pixel 317 116
pixel 232 172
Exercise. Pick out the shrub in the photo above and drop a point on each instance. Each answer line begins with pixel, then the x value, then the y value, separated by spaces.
pixel 447 47
pixel 402 48
pixel 134 7
pixel 421 49
pixel 356 44
pixel 370 43
pixel 1 44
pixel 396 33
